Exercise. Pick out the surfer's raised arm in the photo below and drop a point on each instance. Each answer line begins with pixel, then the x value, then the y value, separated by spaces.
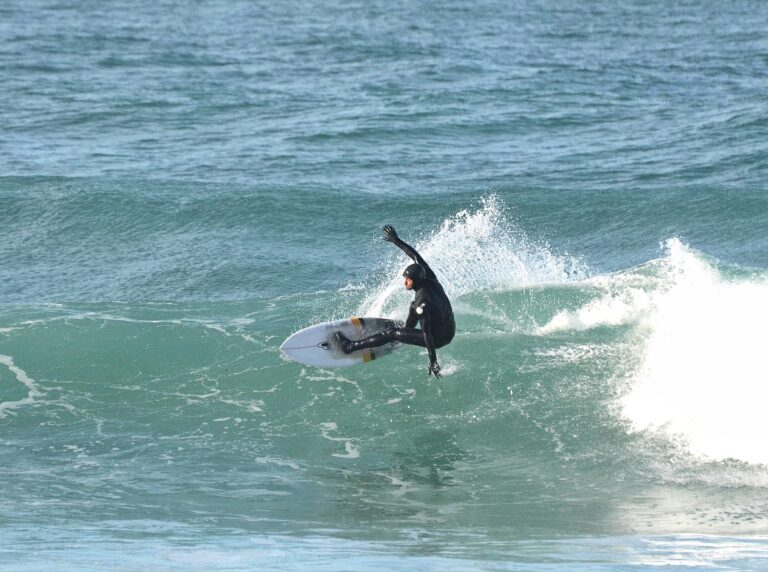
pixel 391 236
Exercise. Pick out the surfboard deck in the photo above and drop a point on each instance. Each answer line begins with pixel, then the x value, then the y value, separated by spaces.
pixel 315 345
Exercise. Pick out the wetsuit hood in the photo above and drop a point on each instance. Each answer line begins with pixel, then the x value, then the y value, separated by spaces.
pixel 416 273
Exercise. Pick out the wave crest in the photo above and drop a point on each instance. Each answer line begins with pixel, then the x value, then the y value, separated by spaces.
pixel 703 374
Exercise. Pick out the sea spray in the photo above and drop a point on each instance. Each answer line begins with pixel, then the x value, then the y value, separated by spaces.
pixel 477 250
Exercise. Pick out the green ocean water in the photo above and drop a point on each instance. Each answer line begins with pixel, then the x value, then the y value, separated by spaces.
pixel 184 186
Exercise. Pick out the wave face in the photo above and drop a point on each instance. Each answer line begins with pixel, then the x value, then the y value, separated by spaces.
pixel 575 402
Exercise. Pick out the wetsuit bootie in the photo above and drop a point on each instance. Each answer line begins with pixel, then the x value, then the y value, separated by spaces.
pixel 346 345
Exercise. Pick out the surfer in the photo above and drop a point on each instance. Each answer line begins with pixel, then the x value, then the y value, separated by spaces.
pixel 430 307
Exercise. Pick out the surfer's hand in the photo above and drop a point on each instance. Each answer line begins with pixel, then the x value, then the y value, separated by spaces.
pixel 390 235
pixel 434 369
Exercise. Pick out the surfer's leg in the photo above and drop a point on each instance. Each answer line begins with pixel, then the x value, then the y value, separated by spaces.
pixel 410 336
pixel 374 341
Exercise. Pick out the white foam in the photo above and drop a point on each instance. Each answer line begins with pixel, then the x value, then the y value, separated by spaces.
pixel 576 353
pixel 279 462
pixel 624 298
pixel 475 251
pixel 352 452
pixel 450 367
pixel 703 378
pixel 21 375
pixel 611 310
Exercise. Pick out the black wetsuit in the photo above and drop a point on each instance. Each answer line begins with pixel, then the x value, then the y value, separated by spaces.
pixel 430 307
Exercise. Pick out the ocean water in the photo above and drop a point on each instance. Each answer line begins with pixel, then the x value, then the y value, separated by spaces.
pixel 185 184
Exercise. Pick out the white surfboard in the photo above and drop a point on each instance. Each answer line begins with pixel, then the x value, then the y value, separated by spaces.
pixel 315 345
